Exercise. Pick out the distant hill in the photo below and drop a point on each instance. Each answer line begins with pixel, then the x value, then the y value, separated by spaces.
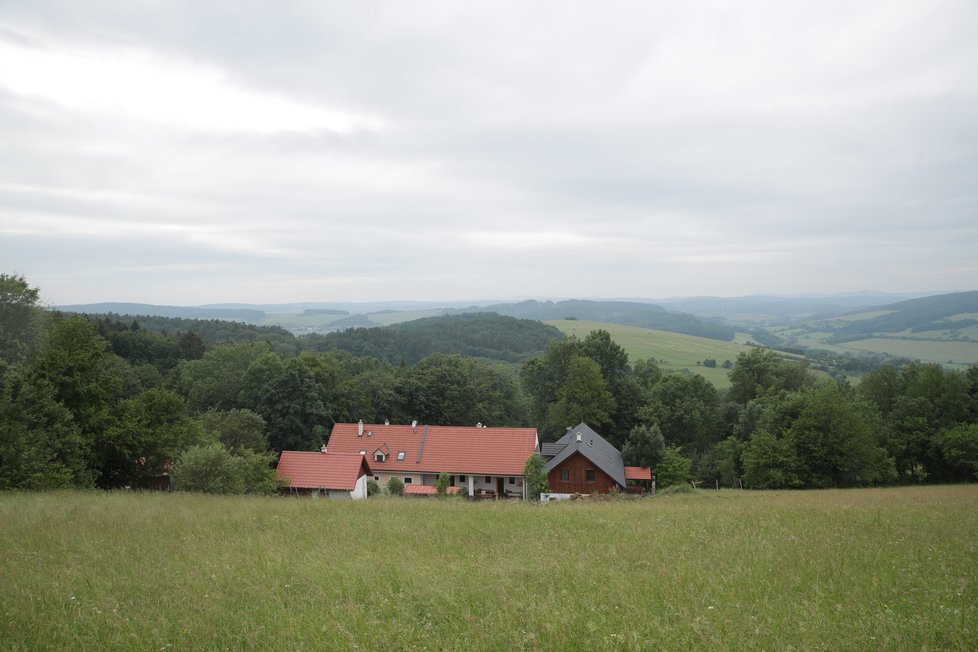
pixel 249 315
pixel 627 313
pixel 936 313
pixel 761 308
pixel 942 329
pixel 211 331
pixel 481 335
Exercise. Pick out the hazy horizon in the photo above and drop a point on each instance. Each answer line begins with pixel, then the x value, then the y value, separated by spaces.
pixel 188 153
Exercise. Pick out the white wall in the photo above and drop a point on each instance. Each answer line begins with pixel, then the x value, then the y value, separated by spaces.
pixel 360 490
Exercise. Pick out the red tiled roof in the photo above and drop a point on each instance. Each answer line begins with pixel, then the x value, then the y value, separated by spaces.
pixel 425 490
pixel 452 449
pixel 337 471
pixel 637 473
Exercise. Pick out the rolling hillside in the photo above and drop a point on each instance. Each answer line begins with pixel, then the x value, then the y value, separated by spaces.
pixel 941 329
pixel 673 351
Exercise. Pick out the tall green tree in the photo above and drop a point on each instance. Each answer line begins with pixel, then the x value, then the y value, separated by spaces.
pixel 77 364
pixel 41 446
pixel 584 396
pixel 237 430
pixel 760 372
pixel 685 409
pixel 959 448
pixel 218 380
pixel 150 433
pixel 770 463
pixel 293 408
pixel 834 444
pixel 645 447
pixel 20 320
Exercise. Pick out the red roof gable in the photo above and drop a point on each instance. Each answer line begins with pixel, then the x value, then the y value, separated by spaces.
pixel 452 449
pixel 637 473
pixel 337 471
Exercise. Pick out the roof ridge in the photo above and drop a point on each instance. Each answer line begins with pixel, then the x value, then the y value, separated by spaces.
pixel 424 436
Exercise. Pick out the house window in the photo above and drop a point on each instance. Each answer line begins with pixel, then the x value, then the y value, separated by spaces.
pixel 488 479
pixel 408 480
pixel 589 475
pixel 400 455
pixel 565 475
pixel 512 480
pixel 462 478
pixel 379 457
pixel 376 478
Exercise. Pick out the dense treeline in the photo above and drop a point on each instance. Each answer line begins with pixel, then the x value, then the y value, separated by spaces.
pixel 100 402
pixel 615 312
pixel 103 402
pixel 477 335
pixel 211 331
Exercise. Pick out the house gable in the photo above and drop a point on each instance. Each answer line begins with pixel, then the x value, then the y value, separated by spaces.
pixel 578 474
pixel 321 470
pixel 595 448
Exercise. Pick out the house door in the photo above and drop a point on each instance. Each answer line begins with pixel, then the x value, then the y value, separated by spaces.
pixel 500 486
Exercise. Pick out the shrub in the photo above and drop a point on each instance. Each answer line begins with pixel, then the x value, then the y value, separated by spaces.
pixel 208 469
pixel 535 473
pixel 442 485
pixel 674 468
pixel 395 487
pixel 373 488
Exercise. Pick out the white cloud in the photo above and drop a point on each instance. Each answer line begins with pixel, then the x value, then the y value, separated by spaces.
pixel 143 86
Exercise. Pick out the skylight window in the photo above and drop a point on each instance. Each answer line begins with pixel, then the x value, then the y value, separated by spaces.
pixel 400 455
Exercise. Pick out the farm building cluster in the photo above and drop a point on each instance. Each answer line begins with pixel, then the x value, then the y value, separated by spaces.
pixel 479 461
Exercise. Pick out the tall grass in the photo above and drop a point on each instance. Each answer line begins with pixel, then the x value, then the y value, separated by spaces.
pixel 861 569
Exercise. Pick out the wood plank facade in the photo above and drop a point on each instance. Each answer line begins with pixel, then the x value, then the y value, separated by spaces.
pixel 577 474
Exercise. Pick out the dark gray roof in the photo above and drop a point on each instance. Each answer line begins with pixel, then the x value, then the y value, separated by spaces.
pixel 551 449
pixel 592 446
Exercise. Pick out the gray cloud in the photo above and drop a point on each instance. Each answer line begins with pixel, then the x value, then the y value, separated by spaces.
pixel 198 152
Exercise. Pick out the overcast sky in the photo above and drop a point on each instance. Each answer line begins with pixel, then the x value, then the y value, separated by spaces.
pixel 196 152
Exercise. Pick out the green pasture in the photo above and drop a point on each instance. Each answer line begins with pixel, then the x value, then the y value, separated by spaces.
pixel 299 322
pixel 673 351
pixel 945 352
pixel 872 569
pixel 396 317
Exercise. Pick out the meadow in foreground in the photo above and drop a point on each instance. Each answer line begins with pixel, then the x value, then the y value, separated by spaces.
pixel 858 569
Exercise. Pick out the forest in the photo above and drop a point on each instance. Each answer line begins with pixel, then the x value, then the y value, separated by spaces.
pixel 106 401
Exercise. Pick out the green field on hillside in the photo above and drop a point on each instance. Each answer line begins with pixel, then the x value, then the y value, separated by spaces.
pixel 299 323
pixel 872 569
pixel 674 351
pixel 954 354
pixel 950 353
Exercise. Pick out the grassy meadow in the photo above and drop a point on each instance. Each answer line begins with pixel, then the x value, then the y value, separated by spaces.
pixel 875 569
pixel 675 351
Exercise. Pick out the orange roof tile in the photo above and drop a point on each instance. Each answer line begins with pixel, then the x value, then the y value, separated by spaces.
pixel 433 449
pixel 337 471
pixel 637 473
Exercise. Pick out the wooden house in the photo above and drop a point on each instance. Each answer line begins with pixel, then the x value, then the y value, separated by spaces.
pixel 584 462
